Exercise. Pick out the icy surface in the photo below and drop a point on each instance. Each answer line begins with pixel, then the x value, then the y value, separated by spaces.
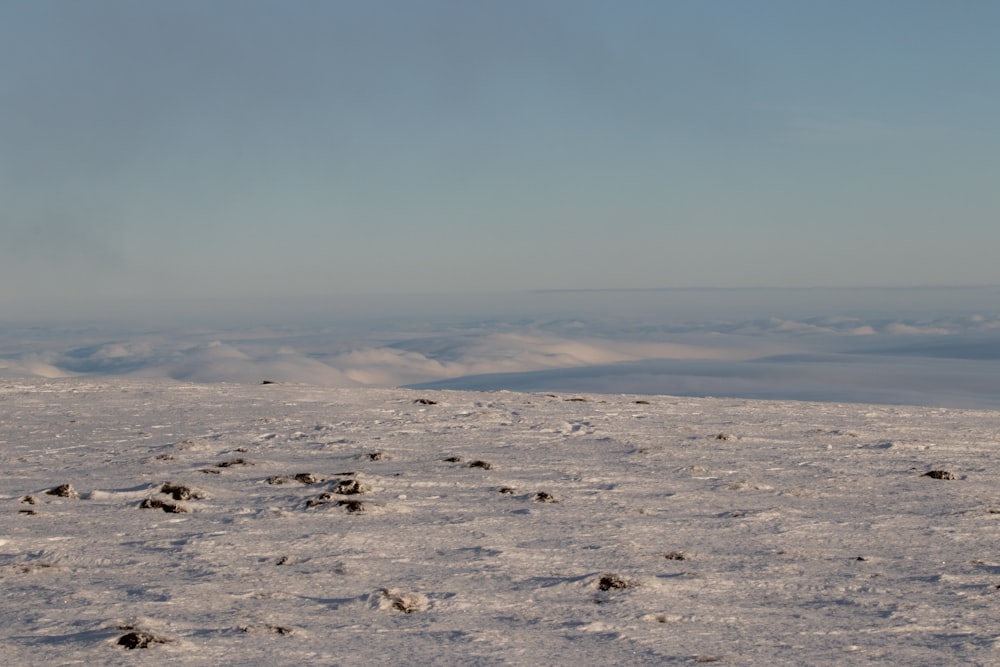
pixel 166 523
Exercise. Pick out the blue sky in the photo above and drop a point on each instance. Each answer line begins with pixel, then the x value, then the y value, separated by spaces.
pixel 245 148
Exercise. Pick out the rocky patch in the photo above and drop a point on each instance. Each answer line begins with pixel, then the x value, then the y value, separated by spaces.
pixel 63 491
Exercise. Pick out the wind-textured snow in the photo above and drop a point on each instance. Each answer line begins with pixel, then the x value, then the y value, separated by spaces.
pixel 287 525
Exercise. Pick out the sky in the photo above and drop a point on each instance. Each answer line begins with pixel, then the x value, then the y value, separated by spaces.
pixel 264 150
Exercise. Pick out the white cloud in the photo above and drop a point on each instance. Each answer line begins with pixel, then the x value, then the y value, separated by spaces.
pixel 803 355
pixel 902 329
pixel 32 365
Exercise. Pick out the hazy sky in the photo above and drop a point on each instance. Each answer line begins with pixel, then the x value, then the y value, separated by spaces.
pixel 243 147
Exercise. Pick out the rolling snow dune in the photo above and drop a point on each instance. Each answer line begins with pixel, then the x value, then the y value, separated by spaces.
pixel 157 522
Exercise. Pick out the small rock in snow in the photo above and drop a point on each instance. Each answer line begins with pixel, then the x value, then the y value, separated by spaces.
pixel 153 503
pixel 181 492
pixel 233 462
pixel 613 582
pixel 136 639
pixel 349 487
pixel 63 491
pixel 352 505
pixel 940 474
pixel 397 600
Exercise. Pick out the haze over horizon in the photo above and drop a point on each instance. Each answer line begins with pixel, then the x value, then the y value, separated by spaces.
pixel 687 197
pixel 245 150
pixel 918 346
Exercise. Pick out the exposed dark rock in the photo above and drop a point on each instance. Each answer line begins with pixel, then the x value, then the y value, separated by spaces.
pixel 155 504
pixel 613 582
pixel 352 505
pixel 63 491
pixel 267 629
pixel 940 474
pixel 137 639
pixel 403 601
pixel 181 492
pixel 349 487
pixel 321 499
pixel 307 478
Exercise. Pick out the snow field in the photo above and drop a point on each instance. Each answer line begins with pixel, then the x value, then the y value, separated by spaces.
pixel 287 524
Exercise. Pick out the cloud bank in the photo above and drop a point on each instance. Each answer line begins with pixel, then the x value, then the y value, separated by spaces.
pixel 949 359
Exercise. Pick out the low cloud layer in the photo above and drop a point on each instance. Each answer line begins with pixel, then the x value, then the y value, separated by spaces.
pixel 950 360
pixel 403 362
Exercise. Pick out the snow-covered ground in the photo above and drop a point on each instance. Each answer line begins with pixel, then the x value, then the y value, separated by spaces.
pixel 286 524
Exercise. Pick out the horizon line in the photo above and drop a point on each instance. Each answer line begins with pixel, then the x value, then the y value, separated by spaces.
pixel 707 288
